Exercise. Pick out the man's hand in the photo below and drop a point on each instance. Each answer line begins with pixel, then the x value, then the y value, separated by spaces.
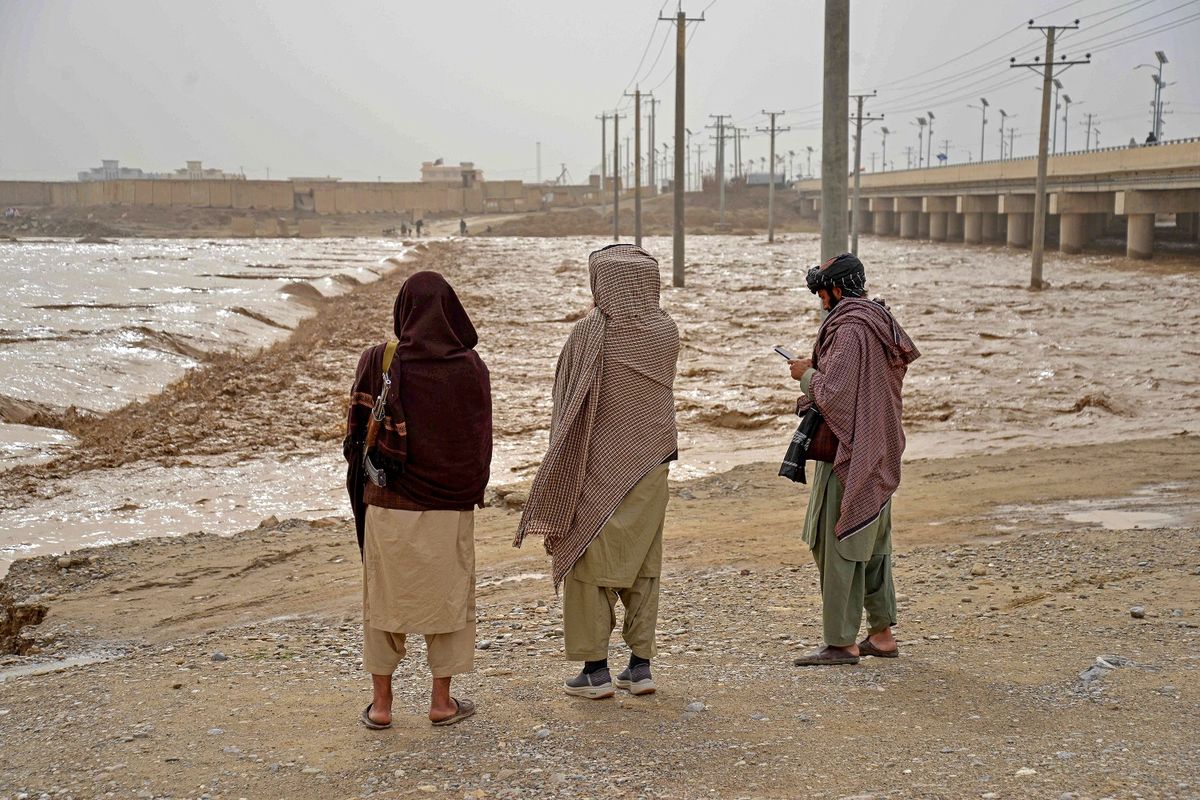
pixel 799 366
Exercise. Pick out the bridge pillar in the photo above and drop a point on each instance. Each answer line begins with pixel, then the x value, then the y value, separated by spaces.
pixel 937 226
pixel 1139 236
pixel 1140 206
pixel 991 226
pixel 909 211
pixel 954 227
pixel 1076 212
pixel 1018 229
pixel 1018 208
pixel 936 208
pixel 883 222
pixel 973 227
pixel 1072 233
pixel 922 225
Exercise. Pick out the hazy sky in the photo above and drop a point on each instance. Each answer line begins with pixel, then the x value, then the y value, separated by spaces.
pixel 370 89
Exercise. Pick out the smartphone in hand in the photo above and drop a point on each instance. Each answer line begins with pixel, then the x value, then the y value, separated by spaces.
pixel 784 353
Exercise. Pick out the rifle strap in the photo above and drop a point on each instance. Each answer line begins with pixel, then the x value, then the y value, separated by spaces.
pixel 389 352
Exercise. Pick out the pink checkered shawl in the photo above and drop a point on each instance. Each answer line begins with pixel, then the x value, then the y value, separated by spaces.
pixel 861 357
pixel 614 407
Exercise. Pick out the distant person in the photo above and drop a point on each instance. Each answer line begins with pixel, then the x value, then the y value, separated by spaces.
pixel 600 495
pixel 420 223
pixel 425 468
pixel 1151 138
pixel 852 384
pixel 462 227
pixel 404 229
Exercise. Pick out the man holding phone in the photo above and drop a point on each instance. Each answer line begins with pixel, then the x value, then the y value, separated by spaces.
pixel 854 379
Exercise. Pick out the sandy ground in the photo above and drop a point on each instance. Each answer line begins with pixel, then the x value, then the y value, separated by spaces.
pixel 1017 569
pixel 992 696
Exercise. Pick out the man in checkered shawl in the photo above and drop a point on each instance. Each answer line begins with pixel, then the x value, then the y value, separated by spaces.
pixel 854 379
pixel 600 495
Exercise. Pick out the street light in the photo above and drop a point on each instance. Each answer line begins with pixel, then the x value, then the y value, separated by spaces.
pixel 983 107
pixel 1066 116
pixel 921 122
pixel 929 143
pixel 884 132
pixel 1057 88
pixel 1003 116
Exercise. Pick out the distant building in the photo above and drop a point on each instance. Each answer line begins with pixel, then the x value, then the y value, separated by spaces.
pixel 111 170
pixel 461 174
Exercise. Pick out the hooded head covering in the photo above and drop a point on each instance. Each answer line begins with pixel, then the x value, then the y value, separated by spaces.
pixel 614 407
pixel 436 438
pixel 845 272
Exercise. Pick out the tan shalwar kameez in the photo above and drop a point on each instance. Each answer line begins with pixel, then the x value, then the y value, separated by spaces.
pixel 624 561
pixel 419 577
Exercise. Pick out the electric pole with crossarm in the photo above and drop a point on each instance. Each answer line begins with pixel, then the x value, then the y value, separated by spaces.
pixel 637 165
pixel 681 20
pixel 1046 70
pixel 859 119
pixel 771 185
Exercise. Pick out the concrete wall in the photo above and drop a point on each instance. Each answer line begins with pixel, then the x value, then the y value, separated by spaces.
pixel 328 197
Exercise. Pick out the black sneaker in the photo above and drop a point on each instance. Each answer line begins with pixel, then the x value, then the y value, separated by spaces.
pixel 636 680
pixel 596 686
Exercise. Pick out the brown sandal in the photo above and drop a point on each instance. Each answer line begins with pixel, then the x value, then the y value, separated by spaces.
pixel 466 708
pixel 867 649
pixel 826 657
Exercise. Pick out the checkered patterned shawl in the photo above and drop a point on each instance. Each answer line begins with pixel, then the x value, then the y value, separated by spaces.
pixel 614 407
pixel 861 357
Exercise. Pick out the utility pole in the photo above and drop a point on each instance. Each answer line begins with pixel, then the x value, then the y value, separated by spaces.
pixel 603 147
pixel 946 151
pixel 651 150
pixel 873 154
pixel 836 109
pixel 1046 70
pixel 884 133
pixel 627 160
pixel 616 176
pixel 637 166
pixel 1011 133
pixel 699 169
pixel 908 157
pixel 721 134
pixel 983 107
pixel 1087 146
pixel 771 185
pixel 810 152
pixel 859 119
pixel 681 20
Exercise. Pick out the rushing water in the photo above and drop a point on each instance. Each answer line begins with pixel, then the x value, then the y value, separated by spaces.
pixel 1109 353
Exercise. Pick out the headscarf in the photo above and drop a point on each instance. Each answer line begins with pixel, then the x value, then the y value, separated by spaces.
pixel 614 407
pixel 845 272
pixel 436 437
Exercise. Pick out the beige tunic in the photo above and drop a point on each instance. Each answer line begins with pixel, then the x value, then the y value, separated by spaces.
pixel 418 570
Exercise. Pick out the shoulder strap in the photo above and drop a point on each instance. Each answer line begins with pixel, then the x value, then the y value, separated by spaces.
pixel 389 352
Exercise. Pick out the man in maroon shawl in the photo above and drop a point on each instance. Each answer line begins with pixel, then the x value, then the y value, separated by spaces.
pixel 434 451
pixel 854 379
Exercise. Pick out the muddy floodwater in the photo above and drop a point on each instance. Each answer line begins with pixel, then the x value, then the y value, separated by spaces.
pixel 1109 353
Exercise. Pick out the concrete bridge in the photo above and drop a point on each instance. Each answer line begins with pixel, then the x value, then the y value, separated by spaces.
pixel 1091 195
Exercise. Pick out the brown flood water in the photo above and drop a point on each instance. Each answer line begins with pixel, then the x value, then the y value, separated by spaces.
pixel 1109 353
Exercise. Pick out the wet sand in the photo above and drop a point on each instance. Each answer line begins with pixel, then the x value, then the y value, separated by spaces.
pixel 1011 468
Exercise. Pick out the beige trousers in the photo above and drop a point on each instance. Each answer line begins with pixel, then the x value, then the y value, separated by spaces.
pixel 419 578
pixel 623 563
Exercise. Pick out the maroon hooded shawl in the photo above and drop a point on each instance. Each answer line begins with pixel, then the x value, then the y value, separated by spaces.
pixel 436 439
pixel 860 359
